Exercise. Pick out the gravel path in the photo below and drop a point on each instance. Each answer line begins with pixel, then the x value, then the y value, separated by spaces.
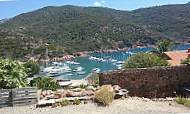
pixel 133 105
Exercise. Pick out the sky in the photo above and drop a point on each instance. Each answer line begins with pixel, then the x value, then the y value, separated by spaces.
pixel 11 8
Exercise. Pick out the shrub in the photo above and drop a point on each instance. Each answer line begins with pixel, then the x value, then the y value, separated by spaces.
pixel 64 103
pixel 187 104
pixel 144 60
pixel 187 61
pixel 54 105
pixel 12 74
pixel 181 100
pixel 76 101
pixel 45 83
pixel 104 96
pixel 34 68
pixel 93 78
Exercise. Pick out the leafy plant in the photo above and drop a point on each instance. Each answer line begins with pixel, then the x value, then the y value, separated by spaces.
pixel 12 74
pixel 34 68
pixel 85 102
pixel 163 46
pixel 76 101
pixel 144 60
pixel 54 105
pixel 64 103
pixel 104 96
pixel 181 100
pixel 93 78
pixel 187 61
pixel 45 83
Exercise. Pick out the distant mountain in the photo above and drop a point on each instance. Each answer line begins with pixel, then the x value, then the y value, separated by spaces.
pixel 69 29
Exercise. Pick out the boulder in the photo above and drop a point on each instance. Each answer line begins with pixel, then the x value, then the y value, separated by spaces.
pixel 116 88
pixel 73 94
pixel 76 90
pixel 90 88
pixel 49 92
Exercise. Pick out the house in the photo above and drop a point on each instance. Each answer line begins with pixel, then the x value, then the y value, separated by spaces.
pixel 175 57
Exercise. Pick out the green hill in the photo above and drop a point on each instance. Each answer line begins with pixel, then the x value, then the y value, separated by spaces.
pixel 70 29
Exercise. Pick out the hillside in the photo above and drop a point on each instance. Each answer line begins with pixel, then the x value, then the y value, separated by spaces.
pixel 70 29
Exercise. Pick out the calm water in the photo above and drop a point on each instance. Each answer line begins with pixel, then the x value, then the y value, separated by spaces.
pixel 89 65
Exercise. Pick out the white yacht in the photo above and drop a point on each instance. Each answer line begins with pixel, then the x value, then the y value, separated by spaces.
pixel 96 70
pixel 77 69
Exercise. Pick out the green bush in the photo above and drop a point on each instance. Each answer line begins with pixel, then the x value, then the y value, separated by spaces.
pixel 45 83
pixel 64 103
pixel 76 101
pixel 34 68
pixel 104 96
pixel 93 78
pixel 181 100
pixel 54 105
pixel 145 60
pixel 12 74
pixel 187 61
pixel 85 102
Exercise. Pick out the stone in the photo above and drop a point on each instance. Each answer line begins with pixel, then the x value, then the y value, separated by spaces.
pixel 73 94
pixel 76 90
pixel 90 93
pixel 90 88
pixel 84 93
pixel 50 92
pixel 116 88
pixel 44 93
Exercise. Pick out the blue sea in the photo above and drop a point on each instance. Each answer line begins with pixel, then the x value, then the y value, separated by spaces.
pixel 89 65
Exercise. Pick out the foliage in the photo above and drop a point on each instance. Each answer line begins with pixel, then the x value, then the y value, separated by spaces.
pixel 104 96
pixel 187 61
pixel 144 60
pixel 93 78
pixel 183 101
pixel 64 103
pixel 12 74
pixel 163 46
pixel 71 29
pixel 34 68
pixel 45 83
pixel 76 101
pixel 54 105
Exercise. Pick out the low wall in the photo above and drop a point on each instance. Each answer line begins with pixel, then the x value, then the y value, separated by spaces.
pixel 149 82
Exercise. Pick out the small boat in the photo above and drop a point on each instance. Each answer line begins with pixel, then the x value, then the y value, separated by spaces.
pixel 96 70
pixel 112 60
pixel 77 69
pixel 119 68
pixel 81 73
pixel 72 63
pixel 120 62
pixel 69 74
pixel 130 53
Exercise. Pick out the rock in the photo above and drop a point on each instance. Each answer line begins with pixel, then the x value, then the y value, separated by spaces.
pixel 116 88
pixel 73 94
pixel 50 92
pixel 124 90
pixel 76 90
pixel 44 93
pixel 90 88
pixel 90 93
pixel 84 93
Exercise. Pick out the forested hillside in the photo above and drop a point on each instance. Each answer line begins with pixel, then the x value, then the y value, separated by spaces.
pixel 70 29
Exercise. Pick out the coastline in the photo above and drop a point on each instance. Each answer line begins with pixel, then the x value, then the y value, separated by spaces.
pixel 85 54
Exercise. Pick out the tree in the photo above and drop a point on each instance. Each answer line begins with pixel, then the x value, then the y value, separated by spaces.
pixel 45 83
pixel 33 67
pixel 12 74
pixel 140 60
pixel 163 46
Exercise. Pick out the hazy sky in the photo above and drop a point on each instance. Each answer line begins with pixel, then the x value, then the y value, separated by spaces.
pixel 10 8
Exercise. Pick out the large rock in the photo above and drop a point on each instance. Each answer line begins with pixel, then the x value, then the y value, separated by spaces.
pixel 116 88
pixel 73 94
pixel 76 90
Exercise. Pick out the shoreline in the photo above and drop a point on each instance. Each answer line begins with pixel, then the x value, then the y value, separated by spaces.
pixel 85 54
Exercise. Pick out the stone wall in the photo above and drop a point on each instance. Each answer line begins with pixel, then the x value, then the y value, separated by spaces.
pixel 149 82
